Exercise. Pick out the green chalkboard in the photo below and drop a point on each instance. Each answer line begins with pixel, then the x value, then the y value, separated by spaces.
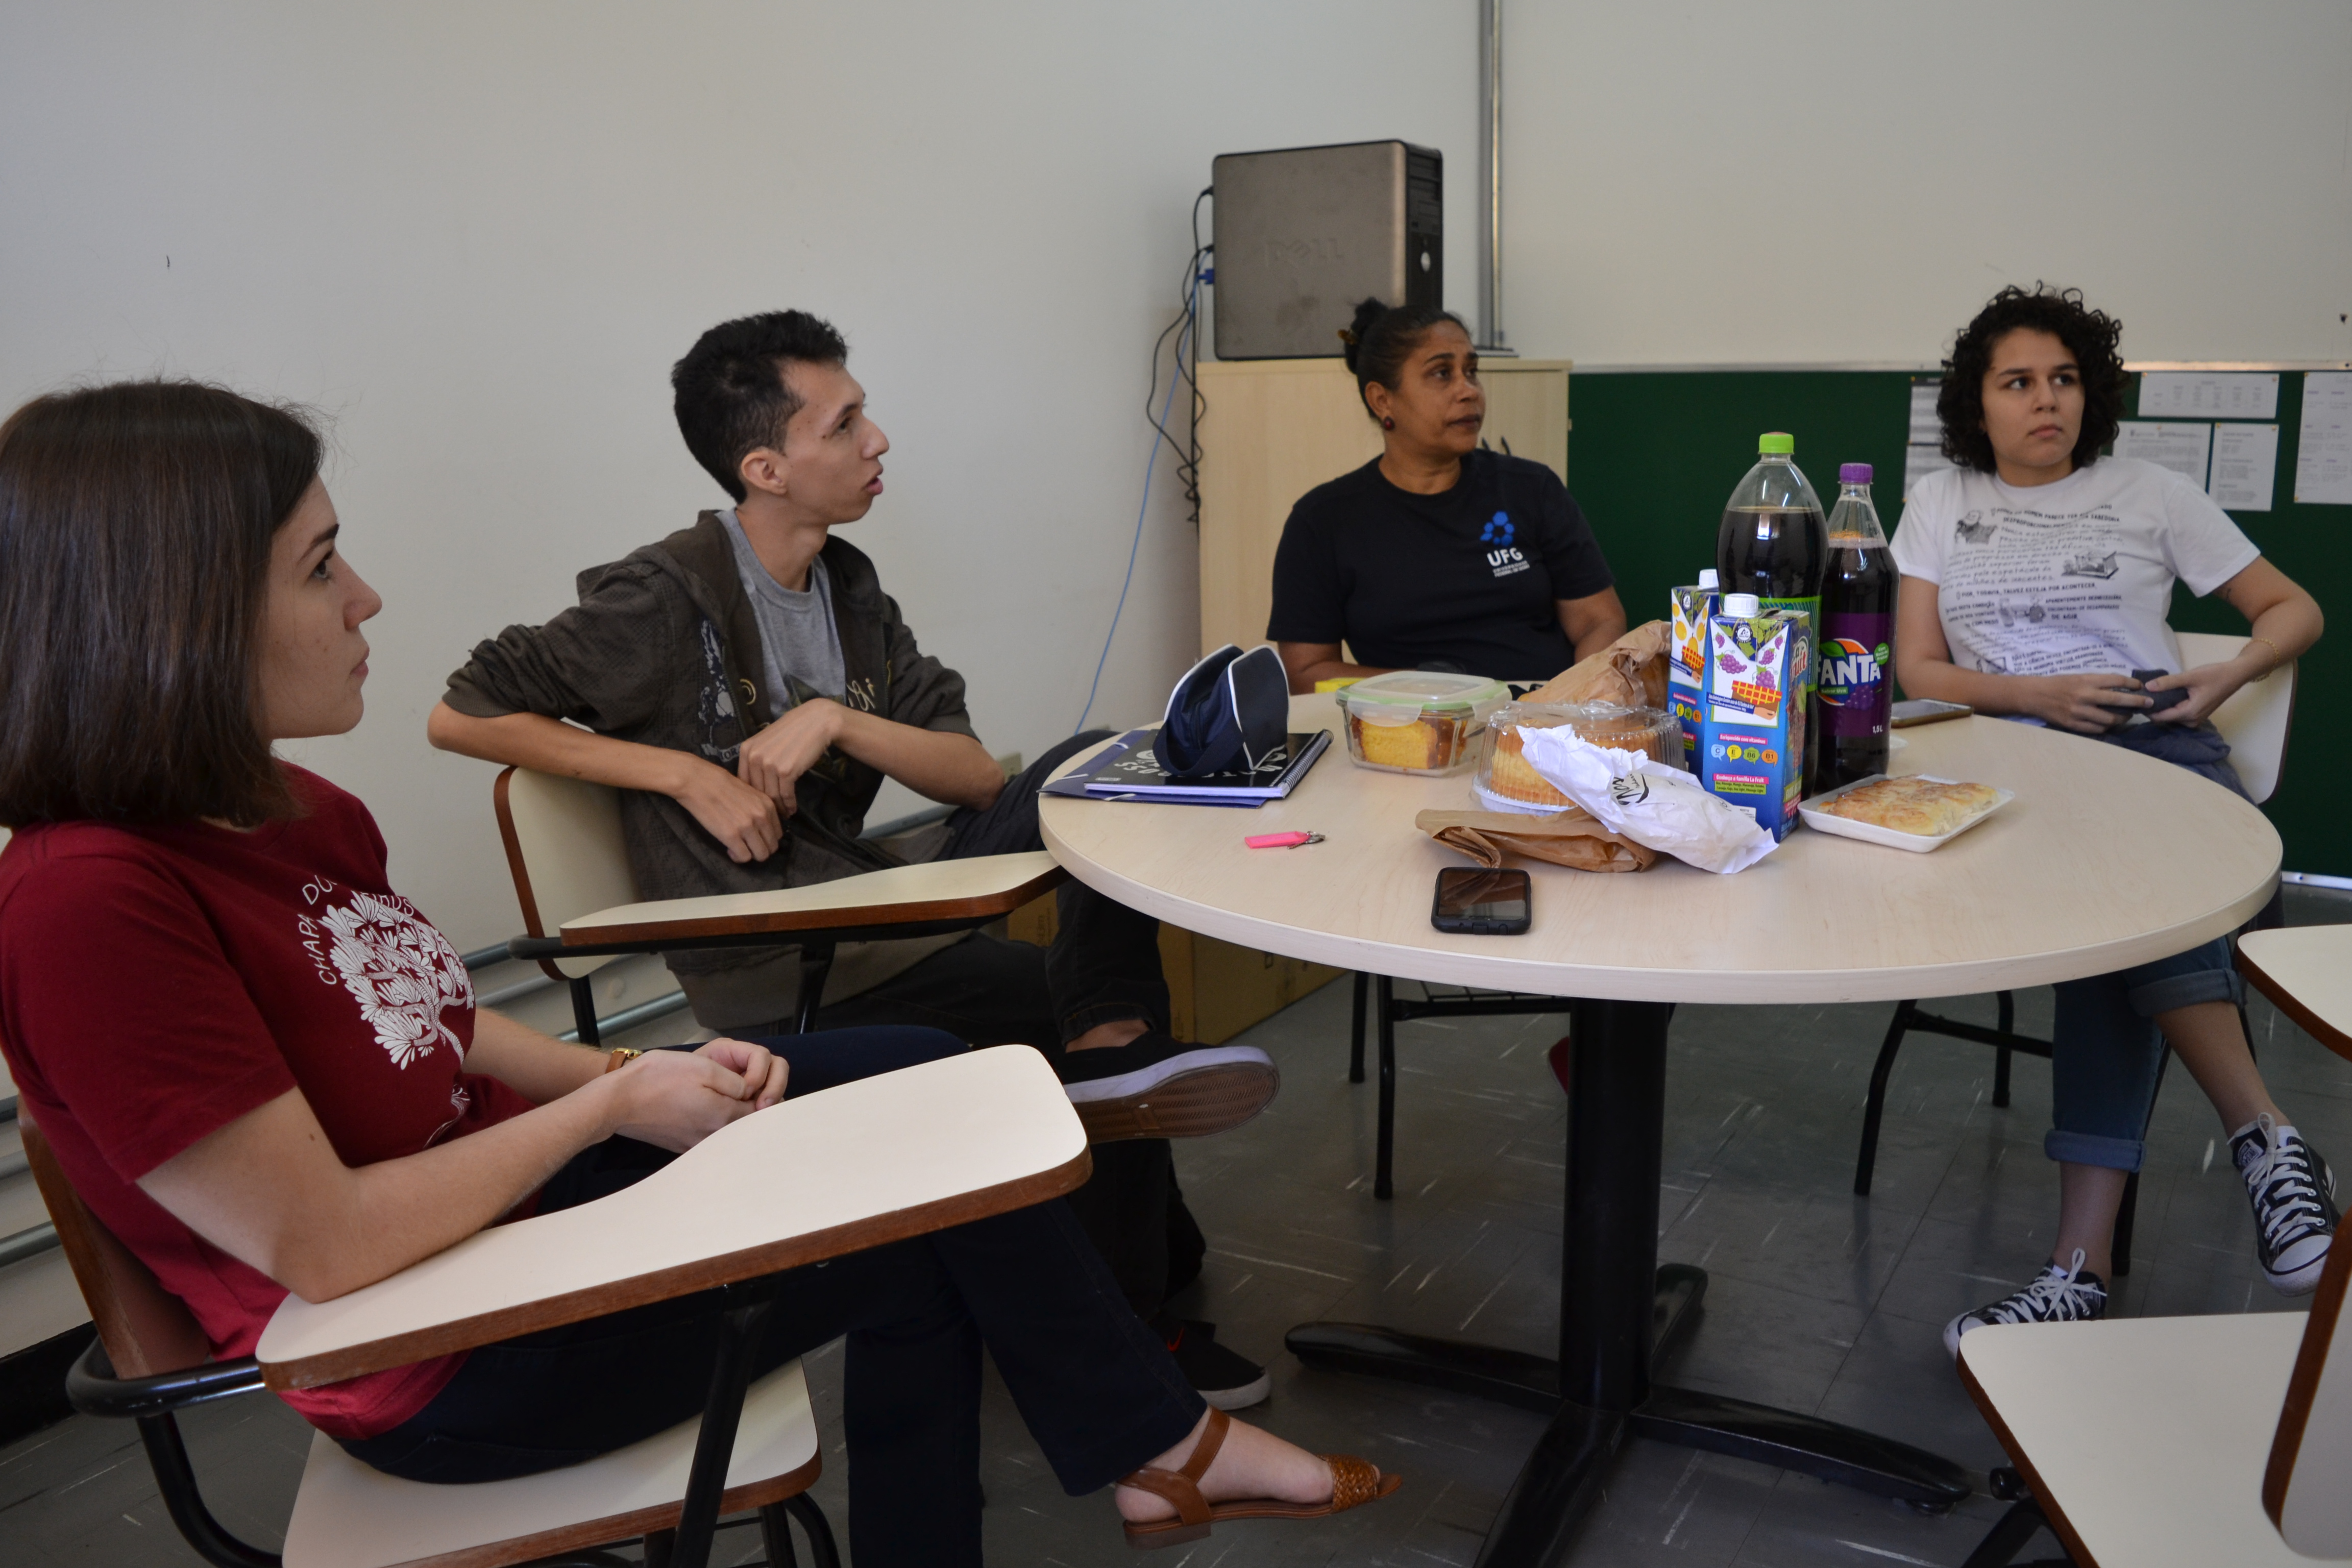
pixel 1654 454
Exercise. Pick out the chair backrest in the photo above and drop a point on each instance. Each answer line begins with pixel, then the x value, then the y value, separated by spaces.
pixel 2307 1488
pixel 2256 717
pixel 565 850
pixel 146 1330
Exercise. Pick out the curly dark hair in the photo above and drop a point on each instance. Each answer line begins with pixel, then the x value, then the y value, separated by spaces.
pixel 2091 336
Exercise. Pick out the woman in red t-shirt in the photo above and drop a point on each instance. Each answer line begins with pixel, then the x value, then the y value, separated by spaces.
pixel 264 1070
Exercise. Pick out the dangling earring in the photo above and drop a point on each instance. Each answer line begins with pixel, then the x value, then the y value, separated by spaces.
pixel 1388 422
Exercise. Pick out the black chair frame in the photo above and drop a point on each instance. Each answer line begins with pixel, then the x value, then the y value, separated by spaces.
pixel 2005 1041
pixel 1393 1010
pixel 816 959
pixel 2010 1533
pixel 154 1403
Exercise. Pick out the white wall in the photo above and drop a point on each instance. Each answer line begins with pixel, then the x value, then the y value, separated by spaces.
pixel 1821 181
pixel 478 235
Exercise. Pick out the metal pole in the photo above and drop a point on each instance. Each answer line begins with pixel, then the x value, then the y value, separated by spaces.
pixel 1490 184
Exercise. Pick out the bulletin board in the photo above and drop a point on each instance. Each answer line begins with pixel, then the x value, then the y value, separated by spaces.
pixel 1654 454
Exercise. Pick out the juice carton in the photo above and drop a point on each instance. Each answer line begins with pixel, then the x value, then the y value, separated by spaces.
pixel 1686 657
pixel 1751 750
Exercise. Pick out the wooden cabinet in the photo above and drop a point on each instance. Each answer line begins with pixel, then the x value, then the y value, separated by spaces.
pixel 1273 429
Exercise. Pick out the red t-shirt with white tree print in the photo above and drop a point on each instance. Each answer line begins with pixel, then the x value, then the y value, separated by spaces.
pixel 157 983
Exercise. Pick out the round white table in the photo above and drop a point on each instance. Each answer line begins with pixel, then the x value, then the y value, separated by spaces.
pixel 2104 860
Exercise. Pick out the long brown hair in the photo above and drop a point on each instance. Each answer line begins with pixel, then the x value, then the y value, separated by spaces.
pixel 135 529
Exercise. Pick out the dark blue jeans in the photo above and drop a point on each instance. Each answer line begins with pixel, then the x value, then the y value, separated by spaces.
pixel 1097 1388
pixel 2105 1046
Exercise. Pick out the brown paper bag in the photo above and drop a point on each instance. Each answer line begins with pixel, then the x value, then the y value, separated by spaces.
pixel 1571 838
pixel 1630 672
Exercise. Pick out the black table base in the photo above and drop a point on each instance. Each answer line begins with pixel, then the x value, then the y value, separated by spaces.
pixel 1619 1309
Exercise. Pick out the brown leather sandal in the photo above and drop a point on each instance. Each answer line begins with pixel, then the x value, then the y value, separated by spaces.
pixel 1353 1483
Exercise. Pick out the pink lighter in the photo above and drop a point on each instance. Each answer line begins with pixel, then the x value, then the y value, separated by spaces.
pixel 1282 840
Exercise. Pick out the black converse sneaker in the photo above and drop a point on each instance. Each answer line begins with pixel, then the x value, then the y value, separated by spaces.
pixel 2294 1195
pixel 1220 1376
pixel 2068 1295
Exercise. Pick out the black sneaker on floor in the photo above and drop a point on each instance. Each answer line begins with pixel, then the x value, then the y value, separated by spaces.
pixel 2294 1195
pixel 2060 1295
pixel 1226 1380
pixel 1157 1086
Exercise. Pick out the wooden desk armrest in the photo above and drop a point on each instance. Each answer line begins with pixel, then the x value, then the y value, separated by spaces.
pixel 979 889
pixel 849 1168
pixel 2306 970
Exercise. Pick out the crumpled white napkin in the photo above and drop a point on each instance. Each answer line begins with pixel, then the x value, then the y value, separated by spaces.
pixel 1648 802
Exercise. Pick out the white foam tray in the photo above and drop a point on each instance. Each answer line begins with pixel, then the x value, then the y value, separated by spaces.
pixel 1870 833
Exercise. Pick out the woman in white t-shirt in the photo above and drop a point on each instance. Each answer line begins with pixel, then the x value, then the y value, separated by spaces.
pixel 2036 576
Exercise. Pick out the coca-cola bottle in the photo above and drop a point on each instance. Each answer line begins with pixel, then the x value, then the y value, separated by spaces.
pixel 1855 659
pixel 1773 544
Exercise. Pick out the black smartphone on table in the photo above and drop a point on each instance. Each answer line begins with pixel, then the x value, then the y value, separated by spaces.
pixel 1481 902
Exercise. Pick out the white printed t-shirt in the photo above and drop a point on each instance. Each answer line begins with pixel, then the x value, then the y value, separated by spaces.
pixel 2068 578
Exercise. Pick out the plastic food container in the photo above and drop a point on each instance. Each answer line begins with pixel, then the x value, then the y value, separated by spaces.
pixel 1507 782
pixel 1418 720
pixel 1870 833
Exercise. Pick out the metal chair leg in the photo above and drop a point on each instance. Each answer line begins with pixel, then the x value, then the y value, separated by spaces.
pixel 2008 1000
pixel 583 1012
pixel 2128 1211
pixel 803 1508
pixel 1874 1107
pixel 1385 1146
pixel 2008 1536
pixel 776 1537
pixel 1356 1031
pixel 816 962
pixel 175 1479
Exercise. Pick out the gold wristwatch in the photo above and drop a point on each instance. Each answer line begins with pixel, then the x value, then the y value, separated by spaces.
pixel 619 1057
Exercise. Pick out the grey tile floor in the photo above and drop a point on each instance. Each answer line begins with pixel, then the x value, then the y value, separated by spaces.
pixel 1819 1300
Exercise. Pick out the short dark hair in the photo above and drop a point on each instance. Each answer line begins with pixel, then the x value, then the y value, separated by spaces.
pixel 731 396
pixel 136 522
pixel 1383 337
pixel 2091 336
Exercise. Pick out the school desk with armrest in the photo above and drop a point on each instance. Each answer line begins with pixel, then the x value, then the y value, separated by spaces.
pixel 581 909
pixel 2144 1441
pixel 854 1167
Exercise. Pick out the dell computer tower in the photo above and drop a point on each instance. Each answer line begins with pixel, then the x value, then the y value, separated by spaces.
pixel 1306 234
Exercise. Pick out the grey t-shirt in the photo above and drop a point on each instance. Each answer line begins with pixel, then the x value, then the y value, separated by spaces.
pixel 797 636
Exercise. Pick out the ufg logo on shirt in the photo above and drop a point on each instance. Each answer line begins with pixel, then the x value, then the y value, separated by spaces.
pixel 1504 556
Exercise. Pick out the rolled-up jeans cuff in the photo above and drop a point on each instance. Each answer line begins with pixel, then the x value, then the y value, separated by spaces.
pixel 2093 1148
pixel 2172 991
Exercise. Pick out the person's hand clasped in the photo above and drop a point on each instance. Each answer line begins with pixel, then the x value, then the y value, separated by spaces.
pixel 674 1099
pixel 2209 685
pixel 763 1072
pixel 773 760
pixel 745 821
pixel 2087 704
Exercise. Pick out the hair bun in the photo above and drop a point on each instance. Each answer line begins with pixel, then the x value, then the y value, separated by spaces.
pixel 1352 335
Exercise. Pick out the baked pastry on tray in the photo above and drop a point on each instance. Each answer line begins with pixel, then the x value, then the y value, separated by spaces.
pixel 1914 805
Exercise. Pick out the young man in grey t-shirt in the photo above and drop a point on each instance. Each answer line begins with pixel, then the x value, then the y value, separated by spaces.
pixel 748 685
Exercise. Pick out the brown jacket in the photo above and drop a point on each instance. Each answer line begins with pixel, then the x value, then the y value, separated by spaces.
pixel 664 649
